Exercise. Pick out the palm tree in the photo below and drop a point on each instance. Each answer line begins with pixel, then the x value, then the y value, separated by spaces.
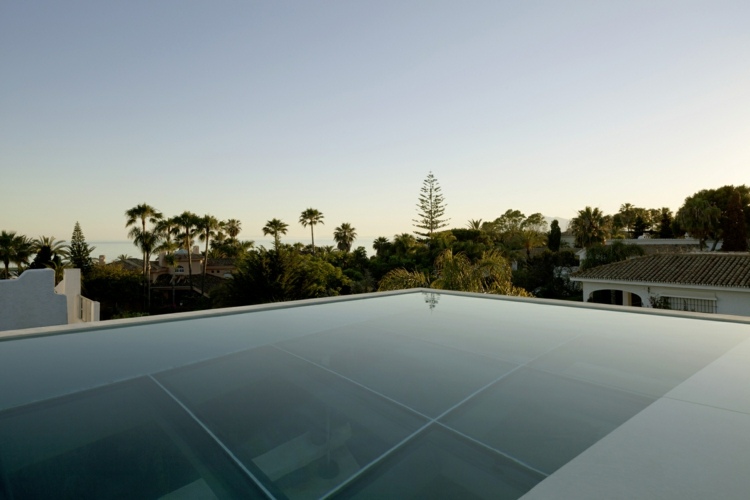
pixel 142 213
pixel 627 217
pixel 454 272
pixel 495 275
pixel 48 251
pixel 589 227
pixel 23 252
pixel 311 217
pixel 230 249
pixel 58 247
pixel 59 267
pixel 399 279
pixel 233 228
pixel 276 228
pixel 220 235
pixel 208 225
pixel 167 228
pixel 475 224
pixel 14 248
pixel 381 245
pixel 404 244
pixel 489 274
pixel 7 249
pixel 148 242
pixel 344 235
pixel 187 225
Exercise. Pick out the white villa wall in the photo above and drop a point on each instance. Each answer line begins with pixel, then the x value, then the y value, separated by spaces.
pixel 30 301
pixel 80 309
pixel 70 287
pixel 728 301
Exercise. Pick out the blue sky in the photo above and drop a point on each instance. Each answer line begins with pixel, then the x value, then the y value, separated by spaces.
pixel 260 109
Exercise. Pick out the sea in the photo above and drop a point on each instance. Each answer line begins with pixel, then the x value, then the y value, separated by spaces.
pixel 112 249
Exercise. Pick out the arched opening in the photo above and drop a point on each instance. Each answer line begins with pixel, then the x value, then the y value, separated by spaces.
pixel 615 297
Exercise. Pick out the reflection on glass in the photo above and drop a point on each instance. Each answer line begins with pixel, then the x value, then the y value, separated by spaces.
pixel 426 377
pixel 431 299
pixel 544 420
pixel 441 464
pixel 128 440
pixel 300 429
pixel 649 362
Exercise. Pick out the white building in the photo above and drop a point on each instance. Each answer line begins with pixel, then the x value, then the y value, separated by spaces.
pixel 32 300
pixel 700 282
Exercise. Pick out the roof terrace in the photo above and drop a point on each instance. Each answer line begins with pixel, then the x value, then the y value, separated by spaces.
pixel 407 394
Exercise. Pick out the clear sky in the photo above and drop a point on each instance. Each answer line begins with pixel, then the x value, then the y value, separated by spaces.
pixel 260 109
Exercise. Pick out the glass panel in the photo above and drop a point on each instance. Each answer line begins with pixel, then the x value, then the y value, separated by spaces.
pixel 650 361
pixel 440 464
pixel 50 366
pixel 125 441
pixel 301 429
pixel 427 377
pixel 544 420
pixel 489 334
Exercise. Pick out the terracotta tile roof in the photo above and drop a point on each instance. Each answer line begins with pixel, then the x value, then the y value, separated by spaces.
pixel 652 249
pixel 708 269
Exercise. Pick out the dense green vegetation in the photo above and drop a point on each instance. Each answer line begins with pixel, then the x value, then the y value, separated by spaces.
pixel 513 254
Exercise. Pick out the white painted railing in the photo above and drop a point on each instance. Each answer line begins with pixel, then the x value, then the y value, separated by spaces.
pixel 88 310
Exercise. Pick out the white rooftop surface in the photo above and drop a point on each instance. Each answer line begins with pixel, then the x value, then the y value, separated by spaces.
pixel 694 442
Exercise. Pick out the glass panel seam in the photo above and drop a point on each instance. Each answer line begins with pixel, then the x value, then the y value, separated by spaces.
pixel 501 377
pixel 215 438
pixel 494 450
pixel 430 419
pixel 706 405
pixel 358 384
pixel 376 461
pixel 574 378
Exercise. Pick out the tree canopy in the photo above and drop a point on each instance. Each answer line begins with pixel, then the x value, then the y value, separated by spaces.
pixel 704 214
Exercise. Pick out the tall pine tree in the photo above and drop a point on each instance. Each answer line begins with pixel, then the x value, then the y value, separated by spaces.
pixel 431 208
pixel 80 251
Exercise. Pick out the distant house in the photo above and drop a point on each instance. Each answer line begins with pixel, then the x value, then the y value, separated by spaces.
pixel 165 274
pixel 700 282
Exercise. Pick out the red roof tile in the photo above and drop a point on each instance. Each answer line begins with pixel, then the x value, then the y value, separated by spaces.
pixel 708 269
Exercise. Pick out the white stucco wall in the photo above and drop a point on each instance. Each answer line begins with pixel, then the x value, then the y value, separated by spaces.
pixel 728 301
pixel 70 286
pixel 30 301
pixel 80 309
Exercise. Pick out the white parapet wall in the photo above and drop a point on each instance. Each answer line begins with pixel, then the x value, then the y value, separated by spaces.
pixel 70 287
pixel 80 309
pixel 30 301
pixel 89 310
